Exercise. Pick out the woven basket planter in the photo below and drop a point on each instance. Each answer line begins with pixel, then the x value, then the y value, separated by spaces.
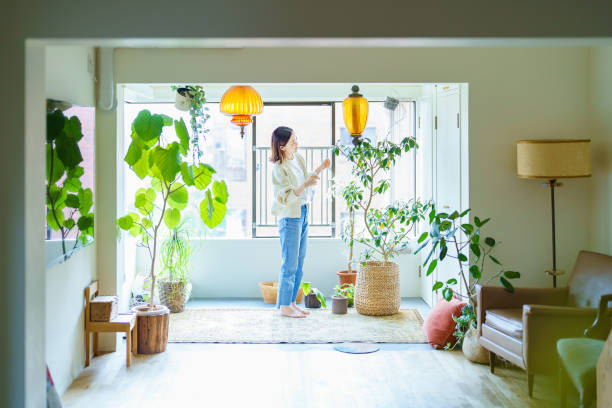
pixel 378 289
pixel 174 295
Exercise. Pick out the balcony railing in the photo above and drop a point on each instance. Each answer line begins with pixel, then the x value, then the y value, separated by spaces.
pixel 322 214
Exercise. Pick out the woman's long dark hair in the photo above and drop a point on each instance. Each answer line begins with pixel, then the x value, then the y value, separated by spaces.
pixel 280 137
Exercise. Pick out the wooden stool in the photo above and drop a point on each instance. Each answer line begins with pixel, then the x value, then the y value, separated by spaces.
pixel 122 323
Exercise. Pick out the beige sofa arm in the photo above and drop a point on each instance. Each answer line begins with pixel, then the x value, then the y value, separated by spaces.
pixel 496 297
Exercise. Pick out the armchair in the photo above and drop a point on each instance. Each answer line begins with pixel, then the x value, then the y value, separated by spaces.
pixel 523 327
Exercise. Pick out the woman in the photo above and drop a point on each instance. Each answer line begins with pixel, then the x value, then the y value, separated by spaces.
pixel 291 183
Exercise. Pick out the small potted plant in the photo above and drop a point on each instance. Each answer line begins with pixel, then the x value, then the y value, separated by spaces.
pixel 339 301
pixel 351 193
pixel 193 99
pixel 313 298
pixel 348 291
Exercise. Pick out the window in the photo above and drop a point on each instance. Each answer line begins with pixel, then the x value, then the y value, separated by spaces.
pixel 245 166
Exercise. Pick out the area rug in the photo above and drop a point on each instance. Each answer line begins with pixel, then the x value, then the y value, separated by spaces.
pixel 268 326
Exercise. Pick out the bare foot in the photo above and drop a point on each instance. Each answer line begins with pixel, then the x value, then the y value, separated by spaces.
pixel 291 312
pixel 299 309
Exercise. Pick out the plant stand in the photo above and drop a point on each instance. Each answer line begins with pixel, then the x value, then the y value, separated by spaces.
pixel 152 326
pixel 378 289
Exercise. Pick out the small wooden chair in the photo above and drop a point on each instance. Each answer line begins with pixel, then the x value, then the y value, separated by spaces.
pixel 122 323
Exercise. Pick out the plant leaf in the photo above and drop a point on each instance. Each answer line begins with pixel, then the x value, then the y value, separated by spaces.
pixel 437 286
pixel 220 191
pixel 179 197
pixel 432 267
pixel 490 241
pixel 506 284
pixel 447 294
pixel 183 135
pixel 512 274
pixel 423 237
pixel 172 217
pixel 148 127
pixel 202 175
pixel 494 260
pixel 475 272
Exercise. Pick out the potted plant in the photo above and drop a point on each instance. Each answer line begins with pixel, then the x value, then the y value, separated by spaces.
pixel 193 99
pixel 462 242
pixel 351 193
pixel 175 255
pixel 348 291
pixel 68 203
pixel 313 298
pixel 161 163
pixel 387 230
pixel 339 300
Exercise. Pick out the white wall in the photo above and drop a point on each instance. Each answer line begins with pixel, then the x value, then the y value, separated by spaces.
pixel 65 347
pixel 68 79
pixel 514 93
pixel 600 98
pixel 225 268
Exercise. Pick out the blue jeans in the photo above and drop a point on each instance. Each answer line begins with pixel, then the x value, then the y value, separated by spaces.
pixel 293 237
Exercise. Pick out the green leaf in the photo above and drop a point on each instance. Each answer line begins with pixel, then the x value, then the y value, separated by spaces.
pixel 182 134
pixel 495 260
pixel 443 252
pixel 143 205
pixel 85 222
pixel 58 166
pixel 451 281
pixel 462 258
pixel 136 230
pixel 506 284
pixel 423 237
pixel 477 222
pixel 172 217
pixel 135 216
pixel 447 294
pixel 475 250
pixel 76 172
pixel 156 184
pixel 490 241
pixel 85 200
pixel 135 151
pixel 437 286
pixel 141 167
pixel 165 163
pixel 432 267
pixel 454 215
pixel 55 124
pixel 467 228
pixel 475 272
pixel 512 274
pixel 69 223
pixel 305 288
pixel 464 213
pixel 72 128
pixel 179 197
pixel 148 127
pixel 66 144
pixel 212 211
pixel 147 223
pixel 72 201
pixel 72 184
pixel 51 219
pixel 187 174
pixel 167 120
pixel 202 175
pixel 220 191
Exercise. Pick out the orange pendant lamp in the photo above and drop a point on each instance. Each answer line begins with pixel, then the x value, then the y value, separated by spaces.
pixel 241 102
pixel 355 108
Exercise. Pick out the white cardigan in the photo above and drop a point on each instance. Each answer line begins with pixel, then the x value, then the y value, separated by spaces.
pixel 286 203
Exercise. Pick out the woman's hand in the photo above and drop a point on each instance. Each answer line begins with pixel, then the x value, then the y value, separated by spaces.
pixel 326 163
pixel 311 181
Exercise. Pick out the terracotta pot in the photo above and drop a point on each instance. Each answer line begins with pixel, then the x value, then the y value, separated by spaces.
pixel 472 350
pixel 311 301
pixel 174 295
pixel 377 292
pixel 339 305
pixel 152 326
pixel 346 277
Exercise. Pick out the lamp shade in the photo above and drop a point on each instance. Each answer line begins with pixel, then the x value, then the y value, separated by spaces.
pixel 553 158
pixel 241 102
pixel 355 108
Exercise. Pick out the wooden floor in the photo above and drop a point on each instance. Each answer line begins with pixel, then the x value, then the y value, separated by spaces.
pixel 313 376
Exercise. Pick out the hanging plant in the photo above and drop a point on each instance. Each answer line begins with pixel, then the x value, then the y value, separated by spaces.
pixel 193 98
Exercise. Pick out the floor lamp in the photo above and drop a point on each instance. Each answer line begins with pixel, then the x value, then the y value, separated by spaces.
pixel 553 159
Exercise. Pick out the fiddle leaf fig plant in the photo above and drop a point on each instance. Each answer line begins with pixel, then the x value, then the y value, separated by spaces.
pixel 162 164
pixel 387 230
pixel 69 205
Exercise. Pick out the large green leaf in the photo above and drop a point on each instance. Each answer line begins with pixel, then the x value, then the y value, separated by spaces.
pixel 143 205
pixel 86 200
pixel 55 125
pixel 187 174
pixel 73 128
pixel 141 167
pixel 72 184
pixel 202 175
pixel 58 166
pixel 85 222
pixel 182 134
pixel 68 150
pixel 51 219
pixel 134 153
pixel 148 127
pixel 220 191
pixel 475 272
pixel 212 211
pixel 72 201
pixel 172 217
pixel 165 163
pixel 179 197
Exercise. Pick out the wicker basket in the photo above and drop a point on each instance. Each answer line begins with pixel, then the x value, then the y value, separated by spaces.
pixel 378 289
pixel 269 290
pixel 174 295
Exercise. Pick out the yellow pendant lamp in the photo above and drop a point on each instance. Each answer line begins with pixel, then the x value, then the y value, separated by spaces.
pixel 355 108
pixel 241 102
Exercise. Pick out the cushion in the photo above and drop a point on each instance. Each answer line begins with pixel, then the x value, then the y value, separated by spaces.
pixel 439 325
pixel 509 321
pixel 579 356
